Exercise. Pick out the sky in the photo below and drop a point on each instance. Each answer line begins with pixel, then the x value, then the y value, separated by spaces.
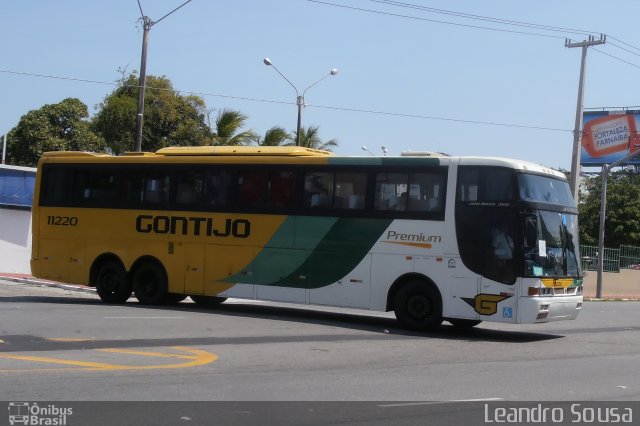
pixel 405 81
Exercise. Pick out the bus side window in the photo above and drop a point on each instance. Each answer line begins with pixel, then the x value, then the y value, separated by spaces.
pixel 190 187
pixel 281 189
pixel 131 186
pixel 426 192
pixel 215 192
pixel 54 185
pixel 318 189
pixel 350 191
pixel 252 188
pixel 391 191
pixel 156 188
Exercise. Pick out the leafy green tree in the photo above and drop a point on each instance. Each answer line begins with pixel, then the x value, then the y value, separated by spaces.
pixel 55 127
pixel 170 119
pixel 227 129
pixel 622 224
pixel 310 138
pixel 275 136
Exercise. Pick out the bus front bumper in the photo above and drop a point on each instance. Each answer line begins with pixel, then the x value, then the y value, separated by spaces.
pixel 545 309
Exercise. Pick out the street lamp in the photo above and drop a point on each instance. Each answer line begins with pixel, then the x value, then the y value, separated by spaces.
pixel 364 148
pixel 299 98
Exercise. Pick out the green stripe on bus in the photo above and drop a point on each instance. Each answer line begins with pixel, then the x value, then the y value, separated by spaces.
pixel 289 247
pixel 339 252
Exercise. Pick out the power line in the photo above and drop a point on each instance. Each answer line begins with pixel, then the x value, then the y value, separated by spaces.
pixel 483 18
pixel 428 117
pixel 626 44
pixel 397 15
pixel 626 50
pixel 615 57
pixel 252 99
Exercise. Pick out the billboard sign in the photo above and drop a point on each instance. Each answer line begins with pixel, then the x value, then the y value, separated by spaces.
pixel 609 136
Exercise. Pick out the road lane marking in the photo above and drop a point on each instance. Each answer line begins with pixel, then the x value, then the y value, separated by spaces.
pixel 409 404
pixel 145 353
pixel 143 317
pixel 69 339
pixel 87 365
pixel 196 358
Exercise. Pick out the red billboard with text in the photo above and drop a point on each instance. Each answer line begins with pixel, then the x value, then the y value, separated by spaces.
pixel 609 136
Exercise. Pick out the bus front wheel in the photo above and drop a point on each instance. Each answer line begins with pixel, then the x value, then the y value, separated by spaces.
pixel 112 284
pixel 150 284
pixel 418 306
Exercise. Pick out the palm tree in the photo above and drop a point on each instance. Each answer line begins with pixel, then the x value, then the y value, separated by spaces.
pixel 310 138
pixel 275 136
pixel 228 123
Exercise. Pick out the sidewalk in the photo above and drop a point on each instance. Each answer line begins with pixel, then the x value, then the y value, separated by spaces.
pixel 28 279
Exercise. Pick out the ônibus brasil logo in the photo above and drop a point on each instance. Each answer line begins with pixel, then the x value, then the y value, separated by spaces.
pixel 27 413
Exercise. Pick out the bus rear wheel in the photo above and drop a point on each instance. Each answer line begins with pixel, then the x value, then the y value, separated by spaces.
pixel 418 306
pixel 112 283
pixel 150 284
pixel 208 301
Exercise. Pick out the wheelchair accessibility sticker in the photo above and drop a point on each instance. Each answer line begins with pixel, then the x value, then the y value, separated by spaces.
pixel 507 312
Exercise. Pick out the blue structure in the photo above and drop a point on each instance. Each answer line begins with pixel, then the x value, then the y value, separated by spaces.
pixel 16 187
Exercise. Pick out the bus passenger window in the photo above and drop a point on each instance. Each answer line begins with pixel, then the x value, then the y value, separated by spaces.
pixel 190 187
pixel 215 193
pixel 252 188
pixel 156 188
pixel 318 189
pixel 96 185
pixel 391 191
pixel 281 189
pixel 350 191
pixel 426 192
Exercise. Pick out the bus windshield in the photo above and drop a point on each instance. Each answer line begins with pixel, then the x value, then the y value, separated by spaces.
pixel 551 245
pixel 543 189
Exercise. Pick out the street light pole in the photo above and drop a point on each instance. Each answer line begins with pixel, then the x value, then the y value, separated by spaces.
pixel 299 98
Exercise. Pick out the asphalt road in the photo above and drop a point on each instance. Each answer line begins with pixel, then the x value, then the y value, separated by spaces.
pixel 60 345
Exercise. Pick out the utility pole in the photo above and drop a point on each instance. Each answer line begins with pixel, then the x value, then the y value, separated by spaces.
pixel 142 82
pixel 577 130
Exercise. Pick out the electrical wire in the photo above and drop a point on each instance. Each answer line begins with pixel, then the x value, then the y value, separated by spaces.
pixel 360 9
pixel 484 18
pixel 498 21
pixel 252 99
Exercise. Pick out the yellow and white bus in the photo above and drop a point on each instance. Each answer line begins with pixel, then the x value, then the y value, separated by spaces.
pixel 431 238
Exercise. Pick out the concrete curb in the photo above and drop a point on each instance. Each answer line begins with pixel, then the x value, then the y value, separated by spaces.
pixel 54 284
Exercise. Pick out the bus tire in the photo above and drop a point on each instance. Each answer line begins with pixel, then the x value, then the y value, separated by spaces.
pixel 150 284
pixel 112 283
pixel 418 306
pixel 463 323
pixel 208 301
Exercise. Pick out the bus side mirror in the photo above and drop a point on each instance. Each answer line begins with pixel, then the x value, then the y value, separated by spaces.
pixel 531 231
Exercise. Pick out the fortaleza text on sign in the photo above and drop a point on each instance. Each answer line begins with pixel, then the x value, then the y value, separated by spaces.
pixel 576 413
